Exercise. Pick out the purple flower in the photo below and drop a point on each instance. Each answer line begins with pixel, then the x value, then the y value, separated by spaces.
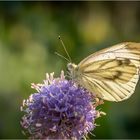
pixel 59 110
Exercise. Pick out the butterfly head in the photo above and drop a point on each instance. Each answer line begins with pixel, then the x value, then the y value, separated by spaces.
pixel 72 68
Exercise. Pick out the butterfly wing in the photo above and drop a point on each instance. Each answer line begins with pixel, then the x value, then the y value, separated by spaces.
pixel 111 73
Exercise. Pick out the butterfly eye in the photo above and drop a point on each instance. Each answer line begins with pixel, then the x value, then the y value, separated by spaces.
pixel 69 66
pixel 72 66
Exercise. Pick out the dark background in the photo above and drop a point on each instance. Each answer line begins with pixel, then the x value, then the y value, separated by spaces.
pixel 29 37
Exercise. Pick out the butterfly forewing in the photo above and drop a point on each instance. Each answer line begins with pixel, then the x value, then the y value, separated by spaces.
pixel 115 70
pixel 111 73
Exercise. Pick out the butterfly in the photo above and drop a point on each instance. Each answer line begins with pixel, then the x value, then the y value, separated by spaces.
pixel 112 73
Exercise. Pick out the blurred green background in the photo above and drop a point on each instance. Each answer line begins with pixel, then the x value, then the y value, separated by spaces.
pixel 29 37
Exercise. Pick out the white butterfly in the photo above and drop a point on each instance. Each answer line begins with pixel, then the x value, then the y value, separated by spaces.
pixel 111 73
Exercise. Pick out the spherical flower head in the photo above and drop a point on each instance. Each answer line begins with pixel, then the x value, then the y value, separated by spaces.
pixel 59 110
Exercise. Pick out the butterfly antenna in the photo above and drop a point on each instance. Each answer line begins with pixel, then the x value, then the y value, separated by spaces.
pixel 69 58
pixel 62 56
